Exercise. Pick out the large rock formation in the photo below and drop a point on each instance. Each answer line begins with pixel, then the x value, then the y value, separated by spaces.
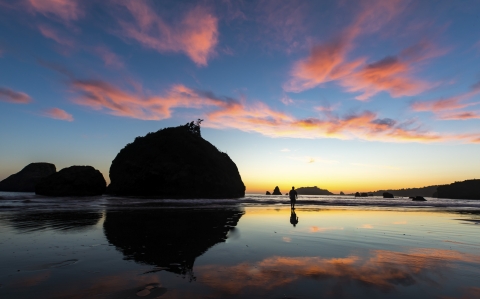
pixel 469 189
pixel 73 181
pixel 276 191
pixel 312 191
pixel 174 163
pixel 26 179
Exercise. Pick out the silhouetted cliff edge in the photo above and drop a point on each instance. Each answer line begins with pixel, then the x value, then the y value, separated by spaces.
pixel 469 189
pixel 26 179
pixel 174 163
pixel 312 191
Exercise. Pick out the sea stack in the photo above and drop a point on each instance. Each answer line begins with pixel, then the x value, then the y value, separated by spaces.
pixel 276 191
pixel 26 179
pixel 73 181
pixel 174 163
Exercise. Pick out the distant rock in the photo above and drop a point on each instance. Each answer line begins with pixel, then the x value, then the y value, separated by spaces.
pixel 268 193
pixel 174 163
pixel 357 194
pixel 276 191
pixel 387 195
pixel 26 179
pixel 341 193
pixel 363 194
pixel 312 191
pixel 73 181
pixel 469 189
pixel 418 198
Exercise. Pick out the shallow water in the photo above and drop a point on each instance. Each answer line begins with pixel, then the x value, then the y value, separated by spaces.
pixel 139 248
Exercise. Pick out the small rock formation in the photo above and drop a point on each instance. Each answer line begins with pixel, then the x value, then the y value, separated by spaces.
pixel 357 194
pixel 268 193
pixel 26 179
pixel 387 195
pixel 73 181
pixel 312 191
pixel 469 189
pixel 276 191
pixel 418 198
pixel 363 194
pixel 341 193
pixel 174 163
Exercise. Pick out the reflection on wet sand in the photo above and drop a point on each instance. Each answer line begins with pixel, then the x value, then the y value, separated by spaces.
pixel 381 270
pixel 58 220
pixel 169 239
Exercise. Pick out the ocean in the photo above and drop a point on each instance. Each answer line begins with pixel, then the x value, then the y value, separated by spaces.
pixel 252 247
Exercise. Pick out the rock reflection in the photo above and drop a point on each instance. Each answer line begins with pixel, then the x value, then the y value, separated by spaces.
pixel 169 239
pixel 58 220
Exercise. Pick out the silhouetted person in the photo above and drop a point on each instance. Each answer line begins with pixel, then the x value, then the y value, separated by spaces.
pixel 293 197
pixel 293 218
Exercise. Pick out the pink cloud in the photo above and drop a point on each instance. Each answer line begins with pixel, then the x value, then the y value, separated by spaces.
pixel 66 10
pixel 196 34
pixel 57 113
pixel 389 74
pixel 12 96
pixel 460 116
pixel 53 34
pixel 445 108
pixel 393 74
pixel 100 95
pixel 224 112
pixel 109 58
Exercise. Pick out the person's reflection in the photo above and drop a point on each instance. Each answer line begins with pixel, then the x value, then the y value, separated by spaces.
pixel 293 217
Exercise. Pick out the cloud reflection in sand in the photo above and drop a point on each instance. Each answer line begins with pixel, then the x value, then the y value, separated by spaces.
pixel 382 270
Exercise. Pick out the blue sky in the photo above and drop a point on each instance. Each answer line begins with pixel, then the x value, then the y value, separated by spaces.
pixel 346 95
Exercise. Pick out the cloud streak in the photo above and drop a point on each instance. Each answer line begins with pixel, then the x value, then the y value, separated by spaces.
pixel 57 113
pixel 382 270
pixel 224 112
pixel 393 74
pixel 67 10
pixel 445 108
pixel 12 96
pixel 195 34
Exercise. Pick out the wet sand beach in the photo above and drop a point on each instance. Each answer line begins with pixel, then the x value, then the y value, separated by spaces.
pixel 123 248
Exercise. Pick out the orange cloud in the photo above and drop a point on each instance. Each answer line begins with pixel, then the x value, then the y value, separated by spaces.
pixel 196 34
pixel 316 229
pixel 66 10
pixel 328 61
pixel 100 95
pixel 224 112
pixel 12 96
pixel 382 270
pixel 389 74
pixel 57 113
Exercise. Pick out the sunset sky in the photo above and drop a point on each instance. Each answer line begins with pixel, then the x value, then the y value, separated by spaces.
pixel 345 95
